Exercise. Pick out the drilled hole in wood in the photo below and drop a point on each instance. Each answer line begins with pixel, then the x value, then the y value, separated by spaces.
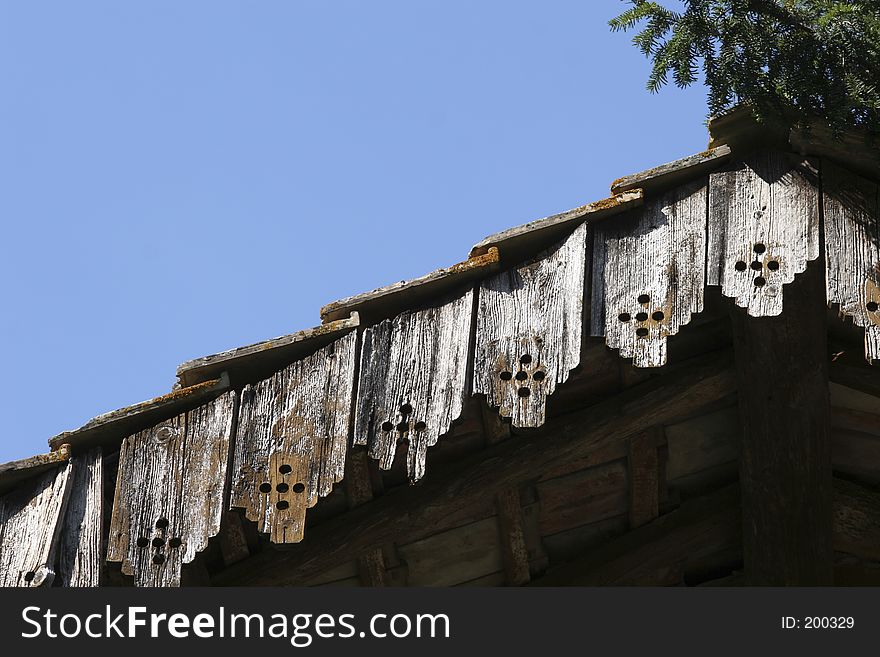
pixel 158 559
pixel 158 542
pixel 143 542
pixel 387 426
pixel 524 392
pixel 641 332
pixel 266 487
pixel 406 409
pixel 525 359
pixel 740 266
pixel 298 488
pixel 521 375
pixel 175 542
pixel 623 317
pixel 420 426
pixel 757 266
pixel 871 306
pixel 641 317
pixel 505 376
pixel 644 298
pixel 760 248
pixel 282 487
pixel 285 469
pixel 773 265
pixel 29 576
pixel 281 505
pixel 760 281
pixel 658 316
pixel 403 426
pixel 540 375
pixel 162 523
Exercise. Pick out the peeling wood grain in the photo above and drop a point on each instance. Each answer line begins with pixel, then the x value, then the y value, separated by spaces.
pixel 530 330
pixel 81 554
pixel 257 361
pixel 673 173
pixel 291 439
pixel 648 274
pixel 30 524
pixel 413 381
pixel 763 229
pixel 852 248
pixel 169 492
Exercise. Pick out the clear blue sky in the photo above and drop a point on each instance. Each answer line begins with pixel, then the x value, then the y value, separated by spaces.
pixel 180 178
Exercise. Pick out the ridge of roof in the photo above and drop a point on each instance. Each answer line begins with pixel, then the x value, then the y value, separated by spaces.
pixel 15 471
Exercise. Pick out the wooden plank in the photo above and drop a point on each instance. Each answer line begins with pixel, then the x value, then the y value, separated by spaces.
pixel 523 242
pixel 393 299
pixel 232 539
pixel 81 553
pixel 530 331
pixel 763 229
pixel 15 472
pixel 291 439
pixel 30 525
pixel 703 442
pixel 681 391
pixel 649 274
pixel 644 478
pixel 785 461
pixel 258 361
pixel 673 173
pixel 413 381
pixel 856 520
pixel 514 553
pixel 169 492
pixel 359 490
pixel 852 250
pixel 109 429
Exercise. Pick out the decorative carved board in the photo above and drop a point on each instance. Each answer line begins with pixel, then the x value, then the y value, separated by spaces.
pixel 80 553
pixel 852 248
pixel 30 523
pixel 530 330
pixel 169 492
pixel 291 439
pixel 649 274
pixel 413 381
pixel 763 229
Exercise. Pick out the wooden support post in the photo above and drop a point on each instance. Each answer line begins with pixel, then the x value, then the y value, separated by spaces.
pixel 359 490
pixel 785 464
pixel 644 478
pixel 233 541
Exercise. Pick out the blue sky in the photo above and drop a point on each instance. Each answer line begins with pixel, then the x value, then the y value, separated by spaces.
pixel 180 178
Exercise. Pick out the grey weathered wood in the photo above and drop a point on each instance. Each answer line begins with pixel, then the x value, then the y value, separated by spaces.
pixel 673 173
pixel 30 524
pixel 413 381
pixel 649 274
pixel 852 248
pixel 169 492
pixel 514 552
pixel 530 330
pixel 257 361
pixel 763 229
pixel 292 438
pixel 110 428
pixel 524 241
pixel 81 554
pixel 14 472
pixel 398 297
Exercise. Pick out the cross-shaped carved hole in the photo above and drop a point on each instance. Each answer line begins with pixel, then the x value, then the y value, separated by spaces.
pixel 522 375
pixel 282 488
pixel 756 265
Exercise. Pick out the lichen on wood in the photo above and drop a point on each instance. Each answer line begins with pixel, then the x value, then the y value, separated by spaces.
pixel 291 439
pixel 169 492
pixel 649 274
pixel 413 381
pixel 763 228
pixel 530 329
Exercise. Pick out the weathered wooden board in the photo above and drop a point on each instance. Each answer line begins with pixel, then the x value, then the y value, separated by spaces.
pixel 530 330
pixel 15 472
pixel 702 443
pixel 169 492
pixel 763 229
pixel 649 274
pixel 30 524
pixel 413 381
pixel 292 438
pixel 81 554
pixel 852 248
pixel 673 173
